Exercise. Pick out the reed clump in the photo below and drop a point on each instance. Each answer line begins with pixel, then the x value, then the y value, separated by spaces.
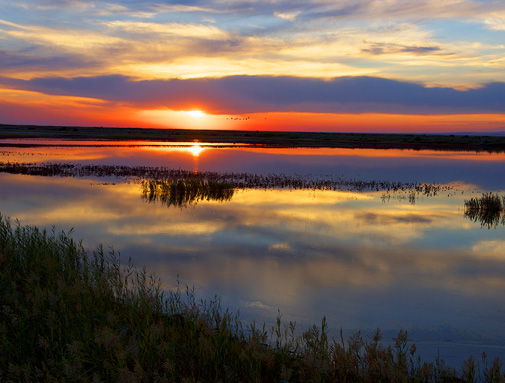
pixel 69 314
pixel 233 180
pixel 489 210
pixel 184 192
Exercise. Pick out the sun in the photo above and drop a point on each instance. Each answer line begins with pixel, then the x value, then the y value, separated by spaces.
pixel 195 113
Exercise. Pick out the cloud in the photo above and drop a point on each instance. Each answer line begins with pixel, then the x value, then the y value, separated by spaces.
pixel 58 4
pixel 291 16
pixel 170 29
pixel 13 60
pixel 55 39
pixel 255 304
pixel 249 94
pixel 383 48
pixel 369 10
pixel 495 21
pixel 401 39
pixel 358 9
pixel 490 249
pixel 389 219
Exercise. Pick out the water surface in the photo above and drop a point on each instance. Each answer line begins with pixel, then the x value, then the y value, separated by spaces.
pixel 362 258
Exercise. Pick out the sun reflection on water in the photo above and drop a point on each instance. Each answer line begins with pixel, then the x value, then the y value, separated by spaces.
pixel 195 150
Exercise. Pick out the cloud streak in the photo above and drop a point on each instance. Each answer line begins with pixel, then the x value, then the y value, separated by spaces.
pixel 383 48
pixel 251 94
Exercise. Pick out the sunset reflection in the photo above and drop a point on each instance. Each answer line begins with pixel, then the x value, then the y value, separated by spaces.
pixel 385 153
pixel 195 150
pixel 290 250
pixel 388 259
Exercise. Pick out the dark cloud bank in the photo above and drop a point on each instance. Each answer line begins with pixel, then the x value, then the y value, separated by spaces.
pixel 249 94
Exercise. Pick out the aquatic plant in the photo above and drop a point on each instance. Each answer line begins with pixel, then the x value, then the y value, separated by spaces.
pixel 489 210
pixel 235 180
pixel 181 193
pixel 70 314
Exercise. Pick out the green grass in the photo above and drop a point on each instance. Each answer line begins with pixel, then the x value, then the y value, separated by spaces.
pixel 74 315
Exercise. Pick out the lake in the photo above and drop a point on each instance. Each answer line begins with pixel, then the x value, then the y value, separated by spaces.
pixel 368 238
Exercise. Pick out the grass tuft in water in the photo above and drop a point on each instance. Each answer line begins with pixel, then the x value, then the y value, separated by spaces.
pixel 184 192
pixel 69 314
pixel 489 210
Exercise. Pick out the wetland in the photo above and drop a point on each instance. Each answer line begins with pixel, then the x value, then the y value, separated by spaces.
pixel 368 237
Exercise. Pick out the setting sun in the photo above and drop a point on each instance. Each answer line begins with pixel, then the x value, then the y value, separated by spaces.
pixel 196 113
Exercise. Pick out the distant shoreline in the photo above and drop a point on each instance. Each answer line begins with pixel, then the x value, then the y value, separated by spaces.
pixel 444 142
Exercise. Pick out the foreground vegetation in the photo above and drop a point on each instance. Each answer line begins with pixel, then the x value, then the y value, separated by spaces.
pixel 68 314
pixel 262 138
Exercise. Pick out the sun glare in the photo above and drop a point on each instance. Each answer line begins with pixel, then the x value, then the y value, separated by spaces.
pixel 196 113
pixel 195 150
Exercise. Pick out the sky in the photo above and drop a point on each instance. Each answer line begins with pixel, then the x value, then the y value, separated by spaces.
pixel 351 66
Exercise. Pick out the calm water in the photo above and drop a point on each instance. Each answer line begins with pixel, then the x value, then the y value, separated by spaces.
pixel 363 259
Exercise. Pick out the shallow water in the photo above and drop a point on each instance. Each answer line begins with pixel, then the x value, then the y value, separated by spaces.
pixel 363 259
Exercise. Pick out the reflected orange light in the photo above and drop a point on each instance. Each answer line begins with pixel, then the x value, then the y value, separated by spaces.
pixel 382 153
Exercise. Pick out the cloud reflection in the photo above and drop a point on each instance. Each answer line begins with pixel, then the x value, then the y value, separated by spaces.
pixel 349 256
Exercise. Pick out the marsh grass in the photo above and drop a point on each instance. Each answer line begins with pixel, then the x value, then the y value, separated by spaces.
pixel 163 177
pixel 69 314
pixel 184 192
pixel 489 210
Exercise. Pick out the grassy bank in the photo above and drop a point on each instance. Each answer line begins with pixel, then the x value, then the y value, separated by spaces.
pixel 261 138
pixel 69 314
